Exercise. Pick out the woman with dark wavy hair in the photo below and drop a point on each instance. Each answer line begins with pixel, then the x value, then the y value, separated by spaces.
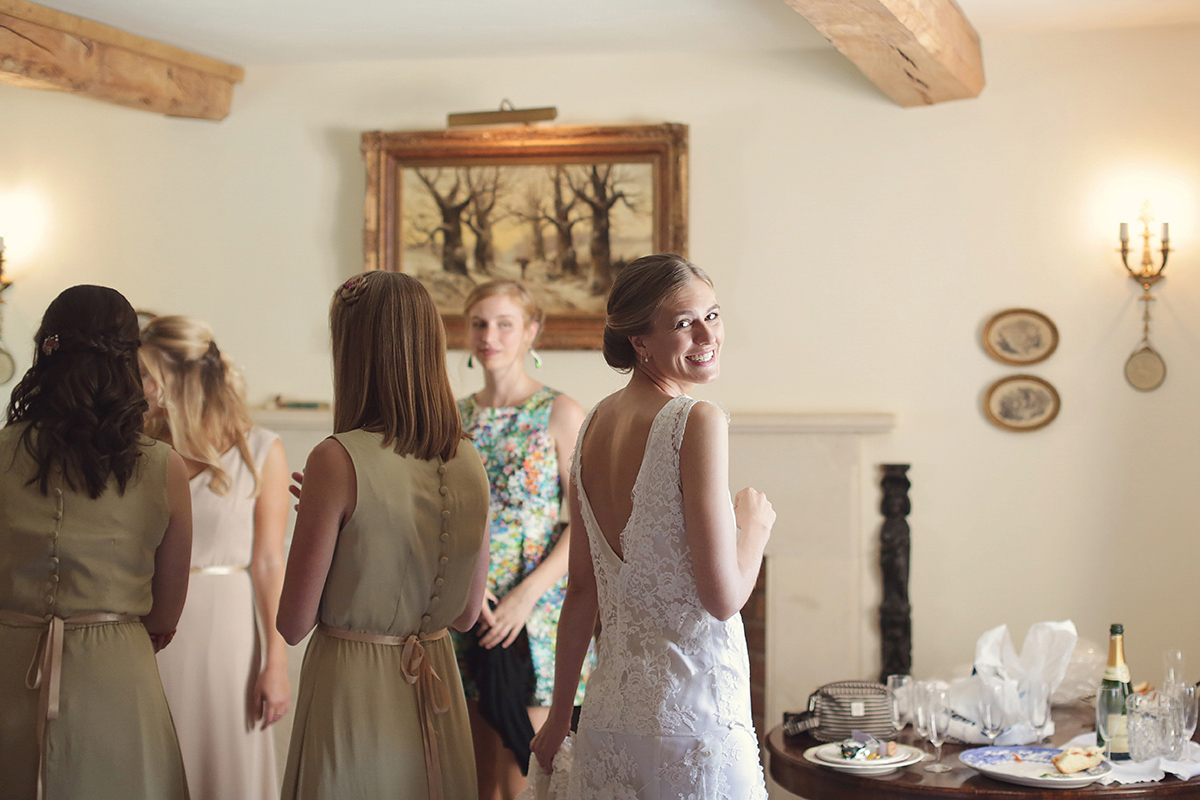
pixel 95 541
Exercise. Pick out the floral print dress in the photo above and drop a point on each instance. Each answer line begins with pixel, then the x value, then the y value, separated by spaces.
pixel 526 495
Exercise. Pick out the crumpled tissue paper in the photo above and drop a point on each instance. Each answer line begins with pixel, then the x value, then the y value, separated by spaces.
pixel 1045 656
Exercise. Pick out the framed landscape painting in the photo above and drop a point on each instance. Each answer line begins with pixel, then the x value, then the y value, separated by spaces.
pixel 561 209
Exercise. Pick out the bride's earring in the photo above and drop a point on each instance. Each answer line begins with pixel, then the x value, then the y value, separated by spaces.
pixel 537 360
pixel 471 362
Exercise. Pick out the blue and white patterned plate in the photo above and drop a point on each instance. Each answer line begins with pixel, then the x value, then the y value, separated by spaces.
pixel 1029 766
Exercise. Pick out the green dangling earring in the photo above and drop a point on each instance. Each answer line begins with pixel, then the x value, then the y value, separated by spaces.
pixel 537 360
pixel 471 361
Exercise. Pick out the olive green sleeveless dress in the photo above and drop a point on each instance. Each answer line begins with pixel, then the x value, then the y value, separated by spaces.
pixel 380 720
pixel 65 555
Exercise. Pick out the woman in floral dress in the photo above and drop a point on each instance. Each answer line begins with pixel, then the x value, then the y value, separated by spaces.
pixel 525 433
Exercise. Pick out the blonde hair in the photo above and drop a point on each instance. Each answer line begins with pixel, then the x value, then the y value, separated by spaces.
pixel 202 396
pixel 389 365
pixel 637 294
pixel 511 289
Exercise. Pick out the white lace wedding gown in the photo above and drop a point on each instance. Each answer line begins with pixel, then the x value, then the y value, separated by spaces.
pixel 667 711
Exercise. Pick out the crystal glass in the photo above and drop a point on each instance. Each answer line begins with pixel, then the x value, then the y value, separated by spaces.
pixel 1153 725
pixel 1037 707
pixel 901 688
pixel 1106 697
pixel 938 719
pixel 991 710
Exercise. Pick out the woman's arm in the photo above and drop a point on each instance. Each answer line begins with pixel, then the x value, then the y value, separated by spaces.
pixel 575 626
pixel 272 692
pixel 514 608
pixel 172 559
pixel 330 494
pixel 726 564
pixel 478 583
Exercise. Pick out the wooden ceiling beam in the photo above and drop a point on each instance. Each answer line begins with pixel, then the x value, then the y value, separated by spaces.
pixel 47 49
pixel 918 52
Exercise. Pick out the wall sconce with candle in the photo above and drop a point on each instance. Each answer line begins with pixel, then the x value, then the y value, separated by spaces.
pixel 8 366
pixel 1145 369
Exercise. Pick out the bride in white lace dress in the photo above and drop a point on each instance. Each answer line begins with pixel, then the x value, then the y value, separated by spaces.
pixel 666 563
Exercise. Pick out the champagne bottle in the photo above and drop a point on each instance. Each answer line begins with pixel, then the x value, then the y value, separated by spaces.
pixel 1115 674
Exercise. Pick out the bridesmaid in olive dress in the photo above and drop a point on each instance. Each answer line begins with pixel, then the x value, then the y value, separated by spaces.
pixel 389 550
pixel 95 535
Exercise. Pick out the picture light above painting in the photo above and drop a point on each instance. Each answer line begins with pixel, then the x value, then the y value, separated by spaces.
pixel 561 209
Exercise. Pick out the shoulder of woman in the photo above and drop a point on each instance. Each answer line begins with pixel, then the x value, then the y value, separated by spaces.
pixel 566 407
pixel 705 418
pixel 329 453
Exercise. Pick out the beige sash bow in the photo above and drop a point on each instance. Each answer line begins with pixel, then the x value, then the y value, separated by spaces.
pixel 45 671
pixel 432 695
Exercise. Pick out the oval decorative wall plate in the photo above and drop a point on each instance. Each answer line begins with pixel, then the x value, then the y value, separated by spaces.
pixel 1021 403
pixel 1020 336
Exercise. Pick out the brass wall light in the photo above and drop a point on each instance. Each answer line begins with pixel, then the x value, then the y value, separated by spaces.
pixel 8 366
pixel 1145 369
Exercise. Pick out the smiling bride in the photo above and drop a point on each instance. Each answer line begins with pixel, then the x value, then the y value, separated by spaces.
pixel 666 562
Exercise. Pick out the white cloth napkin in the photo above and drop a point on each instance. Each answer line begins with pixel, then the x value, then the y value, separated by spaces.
pixel 1044 656
pixel 541 786
pixel 1155 769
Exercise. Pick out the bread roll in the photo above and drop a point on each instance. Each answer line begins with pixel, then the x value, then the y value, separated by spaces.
pixel 1077 759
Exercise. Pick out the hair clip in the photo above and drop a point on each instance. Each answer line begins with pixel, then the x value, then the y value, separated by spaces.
pixel 49 344
pixel 353 282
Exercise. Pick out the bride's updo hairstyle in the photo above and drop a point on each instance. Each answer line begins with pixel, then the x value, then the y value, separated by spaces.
pixel 637 294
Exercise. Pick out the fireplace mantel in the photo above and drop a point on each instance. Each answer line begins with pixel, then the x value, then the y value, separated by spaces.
pixel 822 580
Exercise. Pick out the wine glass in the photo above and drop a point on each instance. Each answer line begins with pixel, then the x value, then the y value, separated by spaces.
pixel 1186 697
pixel 1107 697
pixel 1037 700
pixel 991 710
pixel 1172 669
pixel 938 713
pixel 901 688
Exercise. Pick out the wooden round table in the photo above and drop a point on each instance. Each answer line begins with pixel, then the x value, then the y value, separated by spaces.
pixel 814 782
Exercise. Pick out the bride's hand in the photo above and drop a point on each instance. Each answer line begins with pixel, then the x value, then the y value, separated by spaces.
pixel 548 740
pixel 751 507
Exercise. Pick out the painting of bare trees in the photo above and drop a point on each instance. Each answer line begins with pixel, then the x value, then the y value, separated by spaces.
pixel 560 209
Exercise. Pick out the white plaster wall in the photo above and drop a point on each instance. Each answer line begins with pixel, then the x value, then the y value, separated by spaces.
pixel 857 249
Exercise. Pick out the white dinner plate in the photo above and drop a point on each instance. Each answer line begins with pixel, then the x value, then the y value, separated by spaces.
pixel 1033 769
pixel 832 753
pixel 867 768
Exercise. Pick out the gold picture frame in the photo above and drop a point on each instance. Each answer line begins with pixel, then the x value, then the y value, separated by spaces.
pixel 560 208
pixel 1021 403
pixel 1020 336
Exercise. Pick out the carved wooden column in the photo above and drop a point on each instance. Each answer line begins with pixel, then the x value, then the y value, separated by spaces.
pixel 895 614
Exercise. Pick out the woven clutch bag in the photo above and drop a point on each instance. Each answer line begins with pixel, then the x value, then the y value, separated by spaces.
pixel 837 709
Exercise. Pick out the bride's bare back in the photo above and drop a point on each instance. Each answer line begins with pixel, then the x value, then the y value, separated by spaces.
pixel 611 456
